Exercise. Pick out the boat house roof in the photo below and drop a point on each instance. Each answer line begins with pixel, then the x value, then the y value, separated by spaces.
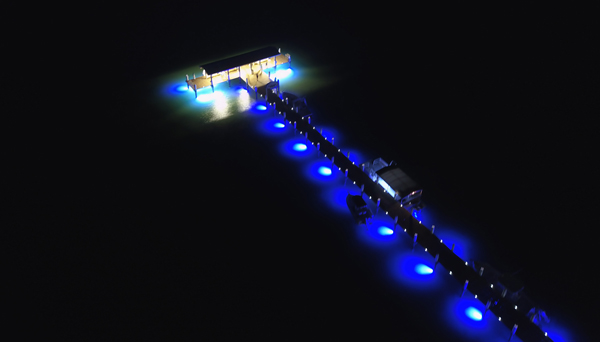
pixel 235 61
pixel 398 180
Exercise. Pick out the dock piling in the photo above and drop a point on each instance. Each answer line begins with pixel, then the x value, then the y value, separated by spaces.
pixel 195 91
pixel 294 127
pixel 332 159
pixel 345 179
pixel 415 241
pixel 362 190
pixel 433 229
pixel 514 330
pixel 481 271
pixel 437 259
pixel 487 306
pixel 318 148
pixel 378 201
pixel 464 288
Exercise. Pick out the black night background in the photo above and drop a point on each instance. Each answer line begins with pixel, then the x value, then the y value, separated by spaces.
pixel 132 227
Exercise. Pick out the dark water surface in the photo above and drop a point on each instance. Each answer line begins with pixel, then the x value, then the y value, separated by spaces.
pixel 149 230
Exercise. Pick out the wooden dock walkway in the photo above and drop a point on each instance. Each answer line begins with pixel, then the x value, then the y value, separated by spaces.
pixel 464 274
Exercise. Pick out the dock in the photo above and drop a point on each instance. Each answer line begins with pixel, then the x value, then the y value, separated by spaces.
pixel 246 67
pixel 514 318
pixel 249 69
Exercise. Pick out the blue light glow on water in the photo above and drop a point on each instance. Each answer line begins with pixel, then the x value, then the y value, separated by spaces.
pixel 423 269
pixel 299 147
pixel 261 107
pixel 324 171
pixel 273 127
pixel 296 148
pixel 321 172
pixel 473 313
pixel 415 272
pixel 371 233
pixel 383 230
pixel 467 312
pixel 335 197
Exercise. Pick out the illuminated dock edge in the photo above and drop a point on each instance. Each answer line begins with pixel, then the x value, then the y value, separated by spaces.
pixel 493 298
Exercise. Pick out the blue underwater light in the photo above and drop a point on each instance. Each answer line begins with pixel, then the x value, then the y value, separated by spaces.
pixel 324 171
pixel 299 147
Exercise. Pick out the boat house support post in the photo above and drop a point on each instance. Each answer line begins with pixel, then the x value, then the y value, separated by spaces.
pixel 195 91
pixel 187 78
pixel 378 201
pixel 211 84
pixel 437 259
pixel 228 79
pixel 345 179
